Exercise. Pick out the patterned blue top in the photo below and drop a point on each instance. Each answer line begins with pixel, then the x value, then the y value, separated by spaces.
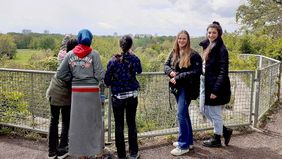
pixel 121 73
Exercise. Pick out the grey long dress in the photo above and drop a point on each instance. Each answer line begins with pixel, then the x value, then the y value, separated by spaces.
pixel 86 130
pixel 86 126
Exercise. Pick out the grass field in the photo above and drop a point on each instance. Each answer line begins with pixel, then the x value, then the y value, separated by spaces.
pixel 24 55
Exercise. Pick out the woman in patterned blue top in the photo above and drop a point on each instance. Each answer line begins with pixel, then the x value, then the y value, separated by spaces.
pixel 121 78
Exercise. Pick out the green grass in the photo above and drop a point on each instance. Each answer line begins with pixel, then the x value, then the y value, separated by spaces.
pixel 24 55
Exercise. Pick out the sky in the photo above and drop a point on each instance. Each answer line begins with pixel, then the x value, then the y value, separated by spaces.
pixel 106 17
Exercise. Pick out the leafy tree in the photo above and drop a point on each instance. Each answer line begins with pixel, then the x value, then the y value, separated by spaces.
pixel 7 46
pixel 47 42
pixel 262 17
pixel 22 40
pixel 275 50
pixel 246 47
pixel 34 43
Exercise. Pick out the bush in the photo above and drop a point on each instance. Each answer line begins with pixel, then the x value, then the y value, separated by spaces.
pixel 13 106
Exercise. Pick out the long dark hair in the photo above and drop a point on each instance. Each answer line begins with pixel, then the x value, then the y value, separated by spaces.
pixel 125 43
pixel 71 44
pixel 216 26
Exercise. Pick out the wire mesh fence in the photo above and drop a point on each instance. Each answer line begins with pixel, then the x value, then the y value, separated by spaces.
pixel 22 98
pixel 23 103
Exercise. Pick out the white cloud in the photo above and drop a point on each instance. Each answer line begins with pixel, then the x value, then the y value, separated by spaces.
pixel 164 17
pixel 103 25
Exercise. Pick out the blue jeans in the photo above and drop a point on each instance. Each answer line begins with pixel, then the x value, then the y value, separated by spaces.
pixel 185 135
pixel 213 113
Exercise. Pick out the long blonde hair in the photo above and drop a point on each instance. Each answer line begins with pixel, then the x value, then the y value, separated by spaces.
pixel 184 58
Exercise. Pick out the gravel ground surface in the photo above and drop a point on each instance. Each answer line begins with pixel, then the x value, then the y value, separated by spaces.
pixel 263 144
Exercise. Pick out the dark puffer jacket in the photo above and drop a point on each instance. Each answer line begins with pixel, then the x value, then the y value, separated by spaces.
pixel 217 81
pixel 188 78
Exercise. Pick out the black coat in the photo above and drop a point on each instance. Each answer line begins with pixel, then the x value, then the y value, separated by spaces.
pixel 217 81
pixel 187 78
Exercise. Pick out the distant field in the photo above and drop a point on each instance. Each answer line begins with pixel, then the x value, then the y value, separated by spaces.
pixel 24 55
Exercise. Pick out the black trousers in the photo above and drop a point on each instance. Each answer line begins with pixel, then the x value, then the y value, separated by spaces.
pixel 54 144
pixel 128 105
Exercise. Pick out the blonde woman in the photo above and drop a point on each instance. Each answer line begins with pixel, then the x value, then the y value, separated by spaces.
pixel 184 67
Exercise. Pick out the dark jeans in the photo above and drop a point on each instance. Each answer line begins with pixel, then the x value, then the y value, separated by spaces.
pixel 54 144
pixel 129 105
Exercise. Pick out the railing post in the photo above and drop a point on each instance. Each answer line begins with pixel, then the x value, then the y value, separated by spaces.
pixel 270 86
pixel 257 95
pixel 279 83
pixel 252 95
pixel 110 116
pixel 32 99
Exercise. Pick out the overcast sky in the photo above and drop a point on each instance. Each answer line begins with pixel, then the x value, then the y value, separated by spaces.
pixel 104 17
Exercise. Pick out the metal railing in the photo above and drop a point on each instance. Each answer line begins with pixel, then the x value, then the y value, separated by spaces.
pixel 23 103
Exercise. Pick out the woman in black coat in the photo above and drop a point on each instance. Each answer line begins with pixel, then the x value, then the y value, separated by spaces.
pixel 184 67
pixel 215 83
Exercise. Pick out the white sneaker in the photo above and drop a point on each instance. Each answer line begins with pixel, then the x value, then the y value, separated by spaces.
pixel 175 144
pixel 177 151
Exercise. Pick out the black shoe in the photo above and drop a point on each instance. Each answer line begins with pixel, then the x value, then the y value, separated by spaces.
pixel 136 156
pixel 213 142
pixel 62 154
pixel 52 155
pixel 227 132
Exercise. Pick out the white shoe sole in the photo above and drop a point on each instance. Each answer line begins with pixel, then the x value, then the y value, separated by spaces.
pixel 175 144
pixel 64 156
pixel 178 152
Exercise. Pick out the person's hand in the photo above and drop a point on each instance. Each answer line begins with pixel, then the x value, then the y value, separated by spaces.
pixel 172 81
pixel 131 51
pixel 172 74
pixel 213 96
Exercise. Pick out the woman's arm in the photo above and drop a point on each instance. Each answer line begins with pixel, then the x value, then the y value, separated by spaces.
pixel 195 68
pixel 167 67
pixel 222 63
pixel 98 68
pixel 63 71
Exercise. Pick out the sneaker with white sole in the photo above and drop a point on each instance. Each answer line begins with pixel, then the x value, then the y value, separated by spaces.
pixel 62 154
pixel 175 144
pixel 52 155
pixel 178 151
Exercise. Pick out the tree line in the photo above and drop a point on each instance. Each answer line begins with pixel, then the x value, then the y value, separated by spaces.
pixel 260 33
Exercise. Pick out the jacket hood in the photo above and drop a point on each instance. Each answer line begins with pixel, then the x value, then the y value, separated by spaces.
pixel 81 50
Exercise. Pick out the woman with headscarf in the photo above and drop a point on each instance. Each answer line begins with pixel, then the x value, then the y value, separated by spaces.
pixel 82 66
